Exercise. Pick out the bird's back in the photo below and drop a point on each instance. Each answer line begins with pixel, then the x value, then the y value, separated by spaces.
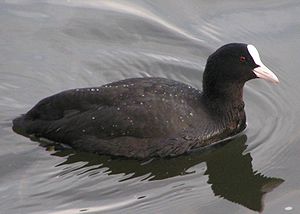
pixel 133 110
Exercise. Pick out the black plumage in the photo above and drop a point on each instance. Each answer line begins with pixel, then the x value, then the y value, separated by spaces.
pixel 144 117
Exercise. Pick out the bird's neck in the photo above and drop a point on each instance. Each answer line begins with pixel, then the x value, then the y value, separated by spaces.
pixel 230 94
pixel 226 102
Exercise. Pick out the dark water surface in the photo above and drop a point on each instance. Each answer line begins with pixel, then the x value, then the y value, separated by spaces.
pixel 50 46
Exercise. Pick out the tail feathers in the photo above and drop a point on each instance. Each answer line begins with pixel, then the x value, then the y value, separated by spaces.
pixel 26 127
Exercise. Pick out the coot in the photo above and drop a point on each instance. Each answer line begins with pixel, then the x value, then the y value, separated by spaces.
pixel 145 117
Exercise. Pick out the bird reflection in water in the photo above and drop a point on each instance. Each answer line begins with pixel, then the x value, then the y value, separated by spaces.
pixel 230 172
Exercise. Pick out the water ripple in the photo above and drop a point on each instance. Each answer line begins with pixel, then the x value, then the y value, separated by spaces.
pixel 54 45
pixel 270 125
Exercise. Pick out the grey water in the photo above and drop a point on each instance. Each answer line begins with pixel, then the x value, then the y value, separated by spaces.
pixel 54 45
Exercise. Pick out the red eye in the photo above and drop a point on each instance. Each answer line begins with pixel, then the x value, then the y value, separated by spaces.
pixel 242 59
